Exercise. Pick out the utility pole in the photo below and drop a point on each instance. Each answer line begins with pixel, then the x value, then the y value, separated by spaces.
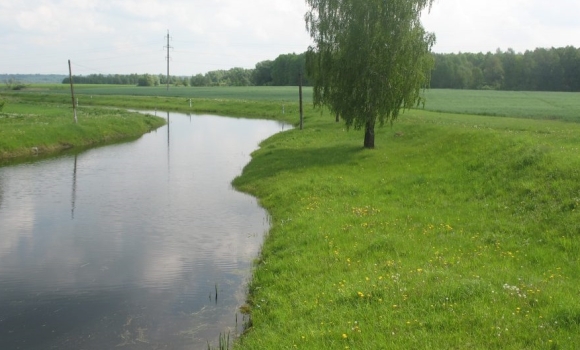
pixel 72 91
pixel 168 47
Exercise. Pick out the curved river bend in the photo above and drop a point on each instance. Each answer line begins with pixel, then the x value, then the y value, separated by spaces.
pixel 125 246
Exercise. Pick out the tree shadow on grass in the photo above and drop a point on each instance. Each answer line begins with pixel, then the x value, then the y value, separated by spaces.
pixel 272 161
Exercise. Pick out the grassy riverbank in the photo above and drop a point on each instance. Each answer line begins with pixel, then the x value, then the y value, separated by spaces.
pixel 462 232
pixel 30 128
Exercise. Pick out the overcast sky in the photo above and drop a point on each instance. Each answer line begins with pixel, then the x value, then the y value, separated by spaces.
pixel 128 36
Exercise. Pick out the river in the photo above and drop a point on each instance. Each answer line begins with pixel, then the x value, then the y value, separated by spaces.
pixel 139 245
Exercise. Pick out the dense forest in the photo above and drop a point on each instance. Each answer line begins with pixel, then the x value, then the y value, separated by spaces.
pixel 554 69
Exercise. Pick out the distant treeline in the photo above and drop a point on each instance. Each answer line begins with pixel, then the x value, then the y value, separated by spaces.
pixel 555 69
pixel 283 71
pixel 31 78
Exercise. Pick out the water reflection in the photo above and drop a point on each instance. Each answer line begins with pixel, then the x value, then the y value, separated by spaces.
pixel 1 191
pixel 74 188
pixel 138 263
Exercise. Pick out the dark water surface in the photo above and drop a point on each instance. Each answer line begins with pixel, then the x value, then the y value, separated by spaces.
pixel 124 246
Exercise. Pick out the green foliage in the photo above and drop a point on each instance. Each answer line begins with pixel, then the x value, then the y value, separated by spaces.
pixel 12 84
pixel 148 80
pixel 371 58
pixel 283 71
pixel 2 105
pixel 233 77
pixel 286 70
pixel 555 69
pixel 262 75
pixel 117 79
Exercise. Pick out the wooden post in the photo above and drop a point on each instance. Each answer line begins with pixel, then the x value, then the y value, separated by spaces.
pixel 72 91
pixel 301 108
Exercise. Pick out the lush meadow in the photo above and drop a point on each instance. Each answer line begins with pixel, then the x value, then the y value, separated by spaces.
pixel 457 231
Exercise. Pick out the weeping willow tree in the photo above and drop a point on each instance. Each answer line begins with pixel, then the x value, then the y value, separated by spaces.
pixel 370 59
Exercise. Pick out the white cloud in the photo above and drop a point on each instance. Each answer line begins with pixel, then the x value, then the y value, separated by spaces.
pixel 111 36
pixel 474 26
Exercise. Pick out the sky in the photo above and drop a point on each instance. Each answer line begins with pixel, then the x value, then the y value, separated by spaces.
pixel 130 36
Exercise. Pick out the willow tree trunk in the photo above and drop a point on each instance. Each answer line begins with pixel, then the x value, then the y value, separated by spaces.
pixel 370 134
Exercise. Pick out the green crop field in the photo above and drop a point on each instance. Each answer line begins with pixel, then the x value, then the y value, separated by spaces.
pixel 231 93
pixel 536 105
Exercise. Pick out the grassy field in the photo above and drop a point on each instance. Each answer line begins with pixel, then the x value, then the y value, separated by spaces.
pixel 457 231
pixel 462 232
pixel 236 93
pixel 537 105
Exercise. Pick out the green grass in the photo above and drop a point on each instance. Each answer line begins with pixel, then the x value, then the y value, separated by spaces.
pixel 461 233
pixel 28 128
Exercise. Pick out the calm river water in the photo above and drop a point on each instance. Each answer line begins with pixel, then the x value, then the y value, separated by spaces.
pixel 124 246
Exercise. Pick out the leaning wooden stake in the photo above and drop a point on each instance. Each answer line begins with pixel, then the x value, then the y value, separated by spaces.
pixel 72 91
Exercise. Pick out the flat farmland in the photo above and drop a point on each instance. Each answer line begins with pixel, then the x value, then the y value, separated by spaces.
pixel 520 104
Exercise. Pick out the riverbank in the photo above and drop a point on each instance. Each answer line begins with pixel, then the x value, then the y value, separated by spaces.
pixel 37 128
pixel 456 232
